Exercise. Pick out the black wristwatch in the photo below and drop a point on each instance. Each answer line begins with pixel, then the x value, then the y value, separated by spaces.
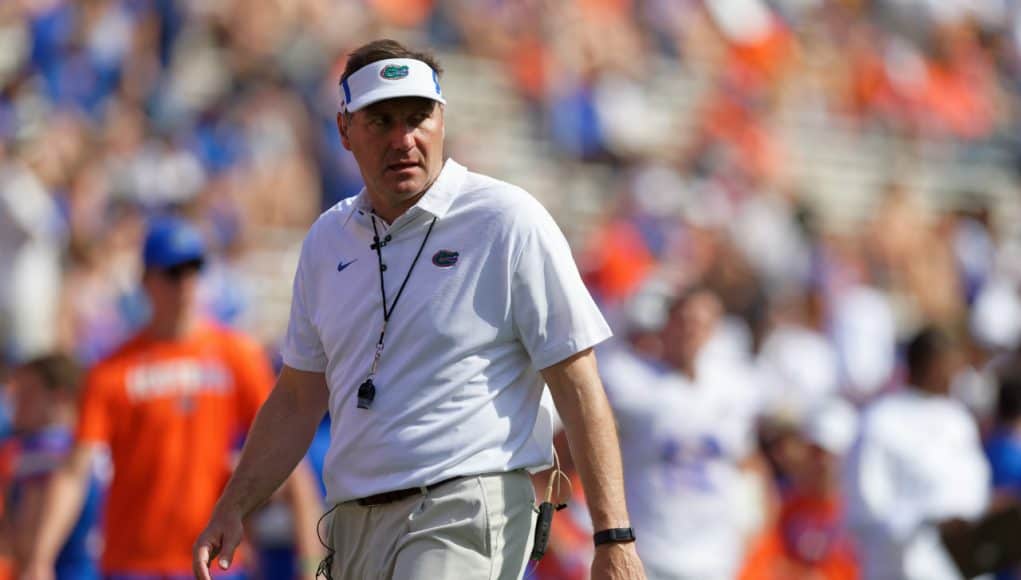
pixel 614 535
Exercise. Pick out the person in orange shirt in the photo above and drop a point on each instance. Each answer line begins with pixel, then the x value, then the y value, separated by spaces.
pixel 171 404
pixel 810 540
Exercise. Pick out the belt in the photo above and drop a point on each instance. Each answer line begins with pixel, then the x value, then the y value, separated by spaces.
pixel 395 496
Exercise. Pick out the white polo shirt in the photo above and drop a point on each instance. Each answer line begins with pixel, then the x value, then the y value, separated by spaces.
pixel 495 297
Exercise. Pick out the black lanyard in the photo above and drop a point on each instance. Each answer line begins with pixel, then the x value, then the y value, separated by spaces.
pixel 367 390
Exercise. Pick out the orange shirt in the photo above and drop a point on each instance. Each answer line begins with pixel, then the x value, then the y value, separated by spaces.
pixel 403 13
pixel 768 560
pixel 171 413
pixel 619 260
pixel 807 543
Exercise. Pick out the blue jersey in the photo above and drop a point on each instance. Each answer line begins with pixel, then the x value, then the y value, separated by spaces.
pixel 1004 452
pixel 40 454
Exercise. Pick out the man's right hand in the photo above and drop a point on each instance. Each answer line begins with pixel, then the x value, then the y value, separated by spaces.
pixel 295 407
pixel 218 541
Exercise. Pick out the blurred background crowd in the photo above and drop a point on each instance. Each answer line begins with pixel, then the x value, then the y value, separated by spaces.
pixel 837 177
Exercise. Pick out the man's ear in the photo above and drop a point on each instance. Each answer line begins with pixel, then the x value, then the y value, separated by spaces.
pixel 443 120
pixel 342 127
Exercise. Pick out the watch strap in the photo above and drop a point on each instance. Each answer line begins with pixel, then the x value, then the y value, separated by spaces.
pixel 614 535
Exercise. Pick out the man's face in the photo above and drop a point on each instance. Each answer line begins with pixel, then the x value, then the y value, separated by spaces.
pixel 398 144
pixel 173 291
pixel 690 326
pixel 32 401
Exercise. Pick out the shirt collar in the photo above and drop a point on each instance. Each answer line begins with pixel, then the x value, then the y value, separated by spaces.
pixel 437 199
pixel 440 195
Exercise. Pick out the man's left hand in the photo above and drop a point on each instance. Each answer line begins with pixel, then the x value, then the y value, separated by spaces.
pixel 617 561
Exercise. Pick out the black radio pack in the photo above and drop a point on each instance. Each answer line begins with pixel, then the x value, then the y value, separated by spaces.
pixel 543 524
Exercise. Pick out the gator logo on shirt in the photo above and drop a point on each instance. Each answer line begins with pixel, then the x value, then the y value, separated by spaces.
pixel 445 258
pixel 393 72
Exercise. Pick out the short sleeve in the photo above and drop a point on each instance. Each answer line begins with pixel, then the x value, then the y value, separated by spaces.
pixel 95 420
pixel 553 313
pixel 253 377
pixel 302 348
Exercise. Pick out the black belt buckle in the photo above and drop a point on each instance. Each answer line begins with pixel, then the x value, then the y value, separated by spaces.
pixel 388 497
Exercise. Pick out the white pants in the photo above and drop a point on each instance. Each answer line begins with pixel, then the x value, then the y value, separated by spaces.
pixel 472 528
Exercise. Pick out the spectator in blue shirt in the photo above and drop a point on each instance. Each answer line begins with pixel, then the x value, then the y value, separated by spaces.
pixel 44 393
pixel 1004 448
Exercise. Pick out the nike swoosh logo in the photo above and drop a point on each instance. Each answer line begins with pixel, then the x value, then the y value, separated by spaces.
pixel 343 264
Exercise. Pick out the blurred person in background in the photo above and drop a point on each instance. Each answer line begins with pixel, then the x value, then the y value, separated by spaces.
pixel 171 404
pixel 686 424
pixel 909 243
pixel 8 449
pixel 861 320
pixel 30 246
pixel 1003 448
pixel 917 465
pixel 797 372
pixel 797 364
pixel 45 396
pixel 810 540
pixel 102 302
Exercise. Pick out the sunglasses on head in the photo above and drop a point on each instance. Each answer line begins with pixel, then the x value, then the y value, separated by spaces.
pixel 179 271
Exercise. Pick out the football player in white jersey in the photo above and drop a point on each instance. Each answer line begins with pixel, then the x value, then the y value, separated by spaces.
pixel 686 428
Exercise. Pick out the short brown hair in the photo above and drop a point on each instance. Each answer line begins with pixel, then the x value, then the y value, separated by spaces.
pixel 56 371
pixel 383 49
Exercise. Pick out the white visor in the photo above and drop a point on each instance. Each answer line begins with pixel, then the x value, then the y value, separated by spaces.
pixel 390 79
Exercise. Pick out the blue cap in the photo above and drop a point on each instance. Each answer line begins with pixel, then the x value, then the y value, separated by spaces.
pixel 172 241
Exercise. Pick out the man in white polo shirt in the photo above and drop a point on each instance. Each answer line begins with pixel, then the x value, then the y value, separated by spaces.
pixel 427 313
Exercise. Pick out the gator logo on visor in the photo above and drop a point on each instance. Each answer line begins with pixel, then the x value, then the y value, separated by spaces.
pixel 445 258
pixel 392 72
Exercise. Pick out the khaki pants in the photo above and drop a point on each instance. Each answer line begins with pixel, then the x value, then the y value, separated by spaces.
pixel 472 528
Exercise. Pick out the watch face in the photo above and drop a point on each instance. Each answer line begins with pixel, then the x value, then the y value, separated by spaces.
pixel 624 535
pixel 614 535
